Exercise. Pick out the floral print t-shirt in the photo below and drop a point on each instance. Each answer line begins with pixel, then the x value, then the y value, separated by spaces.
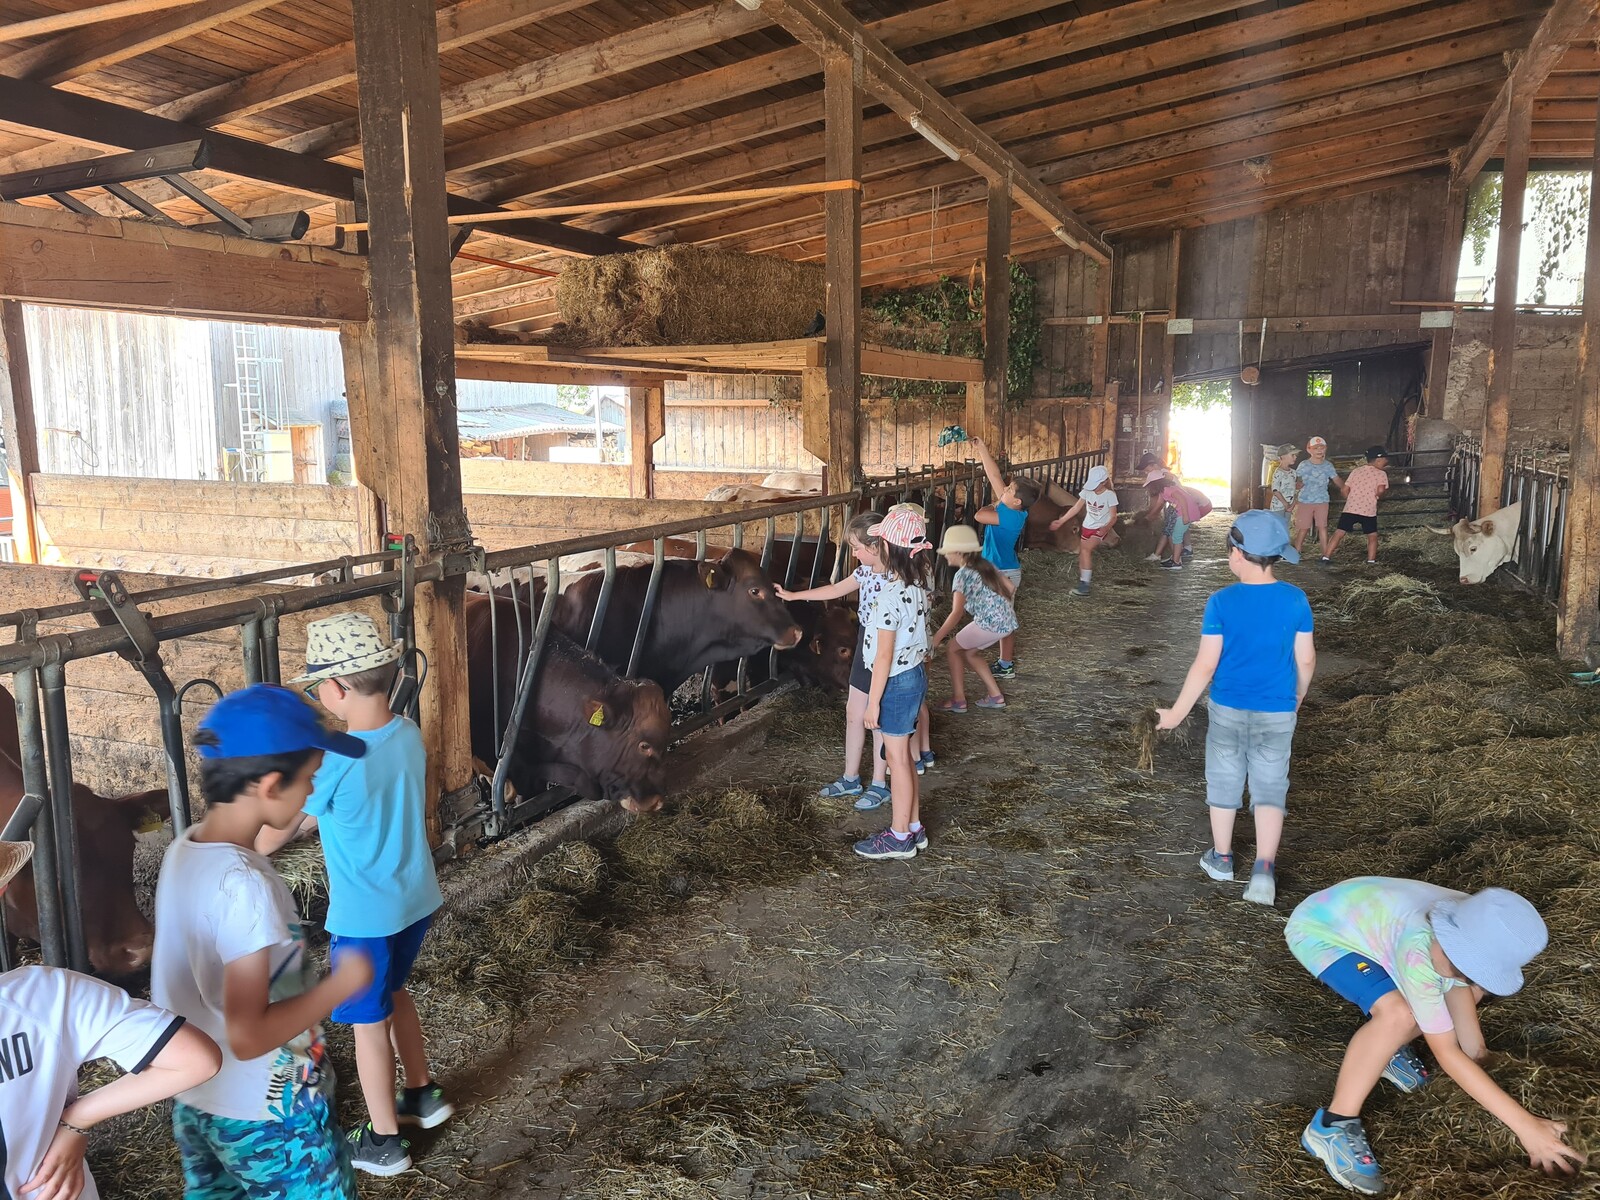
pixel 1284 485
pixel 900 609
pixel 1364 486
pixel 987 607
pixel 1385 920
pixel 1314 480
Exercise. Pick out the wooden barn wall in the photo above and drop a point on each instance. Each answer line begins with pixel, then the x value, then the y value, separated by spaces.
pixel 1068 286
pixel 1136 354
pixel 201 527
pixel 122 394
pixel 302 375
pixel 1346 257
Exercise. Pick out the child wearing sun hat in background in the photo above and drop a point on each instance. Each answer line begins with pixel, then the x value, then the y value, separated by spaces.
pixel 1098 504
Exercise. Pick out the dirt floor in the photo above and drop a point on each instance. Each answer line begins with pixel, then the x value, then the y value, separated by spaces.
pixel 1053 1000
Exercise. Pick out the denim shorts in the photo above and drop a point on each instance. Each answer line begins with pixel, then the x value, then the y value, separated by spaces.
pixel 1243 745
pixel 304 1156
pixel 392 959
pixel 902 702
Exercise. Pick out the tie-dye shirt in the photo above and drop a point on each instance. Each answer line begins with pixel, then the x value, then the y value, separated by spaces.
pixel 1387 921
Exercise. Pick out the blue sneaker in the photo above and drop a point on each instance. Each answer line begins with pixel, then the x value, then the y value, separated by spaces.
pixel 1407 1071
pixel 920 836
pixel 1005 670
pixel 884 844
pixel 1218 866
pixel 876 794
pixel 840 788
pixel 1344 1151
pixel 929 760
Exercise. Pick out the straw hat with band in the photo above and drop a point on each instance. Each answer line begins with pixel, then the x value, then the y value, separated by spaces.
pixel 345 645
pixel 1490 937
pixel 13 857
pixel 960 539
pixel 903 527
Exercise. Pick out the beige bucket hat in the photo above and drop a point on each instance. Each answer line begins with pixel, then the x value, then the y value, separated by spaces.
pixel 960 539
pixel 13 857
pixel 345 645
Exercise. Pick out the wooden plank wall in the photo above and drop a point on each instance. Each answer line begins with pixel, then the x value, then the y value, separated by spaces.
pixel 192 527
pixel 1139 284
pixel 1065 287
pixel 1338 258
pixel 507 522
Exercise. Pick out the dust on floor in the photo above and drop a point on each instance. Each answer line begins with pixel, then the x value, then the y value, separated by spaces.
pixel 1051 1001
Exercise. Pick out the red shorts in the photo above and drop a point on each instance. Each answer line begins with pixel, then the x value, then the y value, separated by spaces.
pixel 1095 535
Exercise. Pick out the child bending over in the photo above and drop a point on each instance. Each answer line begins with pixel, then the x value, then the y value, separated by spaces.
pixel 985 594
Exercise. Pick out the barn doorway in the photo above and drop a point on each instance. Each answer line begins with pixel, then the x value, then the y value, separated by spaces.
pixel 1200 437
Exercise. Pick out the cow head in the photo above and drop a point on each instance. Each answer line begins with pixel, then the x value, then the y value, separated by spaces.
pixel 746 604
pixel 831 648
pixel 1482 546
pixel 628 727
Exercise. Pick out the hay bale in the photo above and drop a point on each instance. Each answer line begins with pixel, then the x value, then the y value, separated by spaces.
pixel 687 295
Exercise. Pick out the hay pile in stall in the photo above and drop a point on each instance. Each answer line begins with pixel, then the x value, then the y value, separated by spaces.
pixel 1462 754
pixel 684 296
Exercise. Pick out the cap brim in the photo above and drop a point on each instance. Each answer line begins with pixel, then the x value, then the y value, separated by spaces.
pixel 342 744
pixel 13 857
pixel 1289 554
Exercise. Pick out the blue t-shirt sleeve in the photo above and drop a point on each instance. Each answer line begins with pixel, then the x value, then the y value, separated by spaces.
pixel 1211 622
pixel 326 783
pixel 1303 619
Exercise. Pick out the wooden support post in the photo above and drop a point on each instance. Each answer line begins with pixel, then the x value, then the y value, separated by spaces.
pixel 21 435
pixel 1169 351
pixel 1100 355
pixel 833 433
pixel 1455 220
pixel 409 419
pixel 1503 330
pixel 987 417
pixel 1578 614
pixel 647 424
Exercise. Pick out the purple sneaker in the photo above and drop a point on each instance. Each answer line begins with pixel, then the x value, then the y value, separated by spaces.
pixel 885 844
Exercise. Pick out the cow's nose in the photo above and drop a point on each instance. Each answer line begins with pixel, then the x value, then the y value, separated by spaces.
pixel 1463 579
pixel 642 804
pixel 791 640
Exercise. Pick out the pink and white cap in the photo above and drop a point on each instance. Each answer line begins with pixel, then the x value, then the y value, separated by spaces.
pixel 903 527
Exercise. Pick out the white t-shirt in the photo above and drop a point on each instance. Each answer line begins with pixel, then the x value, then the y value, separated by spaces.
pixel 1099 508
pixel 51 1023
pixel 868 584
pixel 901 608
pixel 215 904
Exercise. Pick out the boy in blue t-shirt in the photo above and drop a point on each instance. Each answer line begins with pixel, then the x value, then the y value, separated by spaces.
pixel 382 892
pixel 1002 524
pixel 1257 653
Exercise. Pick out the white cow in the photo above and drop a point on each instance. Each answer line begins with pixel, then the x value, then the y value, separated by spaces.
pixel 801 483
pixel 1482 546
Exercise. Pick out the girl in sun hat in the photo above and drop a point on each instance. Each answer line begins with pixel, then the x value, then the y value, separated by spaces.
pixel 983 593
pixel 1417 959
pixel 1098 504
pixel 895 648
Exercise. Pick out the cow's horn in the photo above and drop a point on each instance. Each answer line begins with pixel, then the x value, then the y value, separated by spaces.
pixel 1440 532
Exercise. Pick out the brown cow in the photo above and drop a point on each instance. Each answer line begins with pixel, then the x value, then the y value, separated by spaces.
pixel 604 737
pixel 822 659
pixel 706 612
pixel 119 937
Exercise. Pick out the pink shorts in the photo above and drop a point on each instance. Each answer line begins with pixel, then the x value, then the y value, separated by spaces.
pixel 973 636
pixel 1303 514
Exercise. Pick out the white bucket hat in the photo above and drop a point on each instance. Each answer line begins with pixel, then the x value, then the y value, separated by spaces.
pixel 13 857
pixel 960 539
pixel 1490 936
pixel 345 645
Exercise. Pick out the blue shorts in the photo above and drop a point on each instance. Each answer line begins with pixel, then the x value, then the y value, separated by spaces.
pixel 902 702
pixel 392 959
pixel 302 1157
pixel 1359 980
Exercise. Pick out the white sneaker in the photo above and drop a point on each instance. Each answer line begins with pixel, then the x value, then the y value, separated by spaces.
pixel 1152 558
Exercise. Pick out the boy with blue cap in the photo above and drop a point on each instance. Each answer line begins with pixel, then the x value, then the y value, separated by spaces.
pixel 1416 959
pixel 230 958
pixel 1257 655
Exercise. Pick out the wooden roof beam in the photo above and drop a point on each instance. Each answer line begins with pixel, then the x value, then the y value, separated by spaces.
pixel 1564 22
pixel 828 29
pixel 96 47
pixel 87 121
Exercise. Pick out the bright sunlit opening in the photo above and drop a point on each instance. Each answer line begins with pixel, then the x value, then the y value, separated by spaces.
pixel 1202 438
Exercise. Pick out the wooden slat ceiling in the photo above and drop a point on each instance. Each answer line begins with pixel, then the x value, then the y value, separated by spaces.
pixel 1145 114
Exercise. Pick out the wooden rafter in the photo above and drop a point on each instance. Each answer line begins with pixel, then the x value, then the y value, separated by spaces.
pixel 1561 25
pixel 95 47
pixel 113 10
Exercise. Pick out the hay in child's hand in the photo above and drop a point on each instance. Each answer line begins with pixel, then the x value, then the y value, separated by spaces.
pixel 1144 735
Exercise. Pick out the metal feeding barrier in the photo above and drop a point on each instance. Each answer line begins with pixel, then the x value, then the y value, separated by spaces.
pixel 802 545
pixel 1541 483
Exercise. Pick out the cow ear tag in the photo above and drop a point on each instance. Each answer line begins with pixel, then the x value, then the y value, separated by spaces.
pixel 711 578
pixel 597 717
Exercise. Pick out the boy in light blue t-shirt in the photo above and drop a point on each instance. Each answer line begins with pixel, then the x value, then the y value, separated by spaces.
pixel 382 891
pixel 1002 523
pixel 1257 654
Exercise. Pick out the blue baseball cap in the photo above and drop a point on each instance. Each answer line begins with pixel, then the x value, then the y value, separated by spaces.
pixel 1264 533
pixel 265 719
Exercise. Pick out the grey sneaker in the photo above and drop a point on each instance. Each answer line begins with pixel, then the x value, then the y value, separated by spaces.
pixel 1005 670
pixel 1081 590
pixel 1218 866
pixel 884 844
pixel 920 836
pixel 424 1107
pixel 376 1154
pixel 1263 887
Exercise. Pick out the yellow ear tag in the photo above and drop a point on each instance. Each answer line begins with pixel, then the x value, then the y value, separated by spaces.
pixel 597 718
pixel 151 823
pixel 711 579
